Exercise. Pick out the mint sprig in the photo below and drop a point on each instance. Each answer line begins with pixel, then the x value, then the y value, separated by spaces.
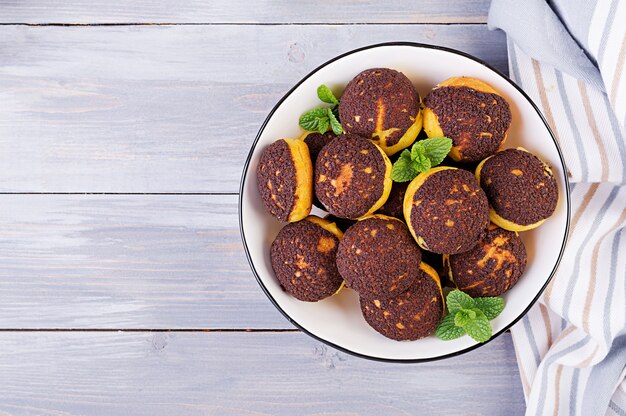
pixel 470 316
pixel 424 155
pixel 322 118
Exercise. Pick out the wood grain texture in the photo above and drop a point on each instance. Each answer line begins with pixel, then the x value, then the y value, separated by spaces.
pixel 242 374
pixel 174 109
pixel 242 11
pixel 135 261
pixel 164 108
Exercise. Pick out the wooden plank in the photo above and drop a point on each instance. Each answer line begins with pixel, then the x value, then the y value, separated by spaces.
pixel 242 374
pixel 136 261
pixel 241 11
pixel 164 108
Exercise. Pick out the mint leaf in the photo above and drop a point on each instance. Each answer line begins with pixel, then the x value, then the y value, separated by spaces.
pixel 479 328
pixel 334 123
pixel 419 156
pixel 417 150
pixel 403 169
pixel 323 125
pixel 436 149
pixel 491 306
pixel 335 111
pixel 447 330
pixel 458 300
pixel 421 162
pixel 326 95
pixel 311 119
pixel 463 317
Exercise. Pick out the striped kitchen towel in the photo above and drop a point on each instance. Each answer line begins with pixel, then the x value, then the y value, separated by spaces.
pixel 569 58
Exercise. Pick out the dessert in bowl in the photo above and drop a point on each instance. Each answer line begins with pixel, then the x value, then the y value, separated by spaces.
pixel 338 320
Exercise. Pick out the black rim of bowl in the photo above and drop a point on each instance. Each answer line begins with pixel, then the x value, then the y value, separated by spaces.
pixel 400 360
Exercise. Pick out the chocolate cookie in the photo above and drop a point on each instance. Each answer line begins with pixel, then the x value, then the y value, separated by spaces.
pixel 378 257
pixel 303 257
pixel 520 187
pixel 284 179
pixel 382 104
pixel 413 314
pixel 470 112
pixel 446 210
pixel 492 267
pixel 352 177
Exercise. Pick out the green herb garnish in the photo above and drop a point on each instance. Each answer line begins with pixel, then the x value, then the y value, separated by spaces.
pixel 326 95
pixel 470 316
pixel 322 118
pixel 424 155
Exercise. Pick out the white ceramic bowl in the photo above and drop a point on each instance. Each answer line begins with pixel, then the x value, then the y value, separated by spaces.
pixel 337 321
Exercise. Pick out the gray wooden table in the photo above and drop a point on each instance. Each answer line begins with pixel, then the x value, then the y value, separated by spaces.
pixel 124 288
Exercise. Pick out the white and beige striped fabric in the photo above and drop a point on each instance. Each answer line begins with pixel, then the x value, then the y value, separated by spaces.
pixel 569 58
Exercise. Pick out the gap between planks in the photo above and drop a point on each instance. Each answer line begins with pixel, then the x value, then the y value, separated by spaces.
pixel 58 24
pixel 228 330
pixel 261 330
pixel 123 193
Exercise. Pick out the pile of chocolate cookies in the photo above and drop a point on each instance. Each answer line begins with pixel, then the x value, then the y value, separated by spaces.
pixel 393 242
